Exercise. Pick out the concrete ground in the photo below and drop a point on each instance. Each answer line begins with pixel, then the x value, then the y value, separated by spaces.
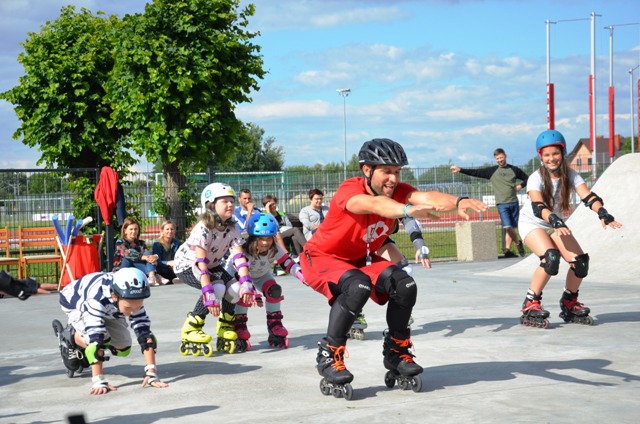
pixel 480 364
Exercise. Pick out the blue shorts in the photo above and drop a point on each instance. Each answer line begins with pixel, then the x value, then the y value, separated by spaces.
pixel 509 213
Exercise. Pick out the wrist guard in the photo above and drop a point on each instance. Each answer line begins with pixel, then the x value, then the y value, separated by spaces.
pixel 153 376
pixel 212 294
pixel 556 221
pixel 605 216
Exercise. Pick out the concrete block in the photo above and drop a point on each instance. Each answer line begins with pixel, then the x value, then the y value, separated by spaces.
pixel 476 241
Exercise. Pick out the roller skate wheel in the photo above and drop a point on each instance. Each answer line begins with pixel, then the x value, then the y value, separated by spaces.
pixel 70 373
pixel 416 384
pixel 184 350
pixel 207 350
pixel 588 320
pixel 389 380
pixel 57 327
pixel 230 346
pixel 347 391
pixel 325 389
pixel 196 350
pixel 403 384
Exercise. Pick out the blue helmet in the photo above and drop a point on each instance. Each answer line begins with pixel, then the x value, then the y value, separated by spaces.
pixel 262 225
pixel 551 138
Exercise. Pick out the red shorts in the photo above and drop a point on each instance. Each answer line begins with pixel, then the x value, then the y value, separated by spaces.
pixel 320 270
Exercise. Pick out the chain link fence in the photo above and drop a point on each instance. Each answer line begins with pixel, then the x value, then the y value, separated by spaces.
pixel 30 198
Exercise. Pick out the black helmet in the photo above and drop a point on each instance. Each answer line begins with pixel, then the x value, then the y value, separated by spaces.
pixel 382 151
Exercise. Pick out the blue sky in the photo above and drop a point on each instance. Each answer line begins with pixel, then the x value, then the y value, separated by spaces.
pixel 450 80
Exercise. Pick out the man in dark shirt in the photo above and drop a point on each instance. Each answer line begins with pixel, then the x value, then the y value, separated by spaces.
pixel 503 179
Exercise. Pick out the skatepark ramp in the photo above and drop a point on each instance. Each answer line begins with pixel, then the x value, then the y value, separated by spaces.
pixel 612 252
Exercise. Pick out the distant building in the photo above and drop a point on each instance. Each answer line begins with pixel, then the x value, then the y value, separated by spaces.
pixel 581 157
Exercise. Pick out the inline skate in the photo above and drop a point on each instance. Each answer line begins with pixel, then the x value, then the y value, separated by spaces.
pixel 574 311
pixel 357 328
pixel 277 333
pixel 240 327
pixel 194 340
pixel 336 378
pixel 398 360
pixel 227 338
pixel 72 355
pixel 533 314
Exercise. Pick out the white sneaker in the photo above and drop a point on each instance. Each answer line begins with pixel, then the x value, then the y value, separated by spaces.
pixel 154 281
pixel 163 281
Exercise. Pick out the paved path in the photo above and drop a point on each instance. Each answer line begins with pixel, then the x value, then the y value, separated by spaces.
pixel 480 364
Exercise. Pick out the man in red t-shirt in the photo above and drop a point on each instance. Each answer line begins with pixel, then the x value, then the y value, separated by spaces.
pixel 340 260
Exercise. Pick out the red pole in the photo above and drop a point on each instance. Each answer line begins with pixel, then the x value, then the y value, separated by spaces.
pixel 551 110
pixel 592 136
pixel 612 123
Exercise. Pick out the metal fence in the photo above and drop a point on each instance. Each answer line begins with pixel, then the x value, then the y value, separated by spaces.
pixel 31 197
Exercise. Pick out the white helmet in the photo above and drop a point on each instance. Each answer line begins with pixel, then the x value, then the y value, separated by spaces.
pixel 130 283
pixel 214 191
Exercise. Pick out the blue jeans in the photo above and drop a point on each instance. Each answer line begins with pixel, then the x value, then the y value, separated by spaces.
pixel 509 213
pixel 144 266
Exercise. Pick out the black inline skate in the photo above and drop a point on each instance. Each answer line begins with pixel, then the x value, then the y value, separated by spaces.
pixel 533 314
pixel 336 378
pixel 277 333
pixel 398 359
pixel 574 311
pixel 72 355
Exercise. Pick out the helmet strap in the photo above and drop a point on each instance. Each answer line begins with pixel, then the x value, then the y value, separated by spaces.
pixel 368 178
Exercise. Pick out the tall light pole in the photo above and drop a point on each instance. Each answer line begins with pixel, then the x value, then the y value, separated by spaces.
pixel 551 110
pixel 344 92
pixel 612 90
pixel 631 106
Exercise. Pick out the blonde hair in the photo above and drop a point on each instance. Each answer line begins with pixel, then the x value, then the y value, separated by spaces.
pixel 166 246
pixel 211 220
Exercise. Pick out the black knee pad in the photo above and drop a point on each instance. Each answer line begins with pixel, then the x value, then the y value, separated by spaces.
pixel 355 287
pixel 400 286
pixel 581 265
pixel 551 262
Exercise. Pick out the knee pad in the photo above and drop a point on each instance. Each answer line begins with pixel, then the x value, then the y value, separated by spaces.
pixel 400 286
pixel 272 292
pixel 551 262
pixel 355 287
pixel 581 265
pixel 121 351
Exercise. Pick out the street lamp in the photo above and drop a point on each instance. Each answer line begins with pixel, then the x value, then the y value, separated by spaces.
pixel 344 92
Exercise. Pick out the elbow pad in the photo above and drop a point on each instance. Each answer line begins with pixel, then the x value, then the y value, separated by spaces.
pixel 538 207
pixel 591 198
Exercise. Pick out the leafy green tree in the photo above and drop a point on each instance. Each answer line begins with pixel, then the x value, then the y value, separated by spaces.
pixel 60 100
pixel 181 69
pixel 255 153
